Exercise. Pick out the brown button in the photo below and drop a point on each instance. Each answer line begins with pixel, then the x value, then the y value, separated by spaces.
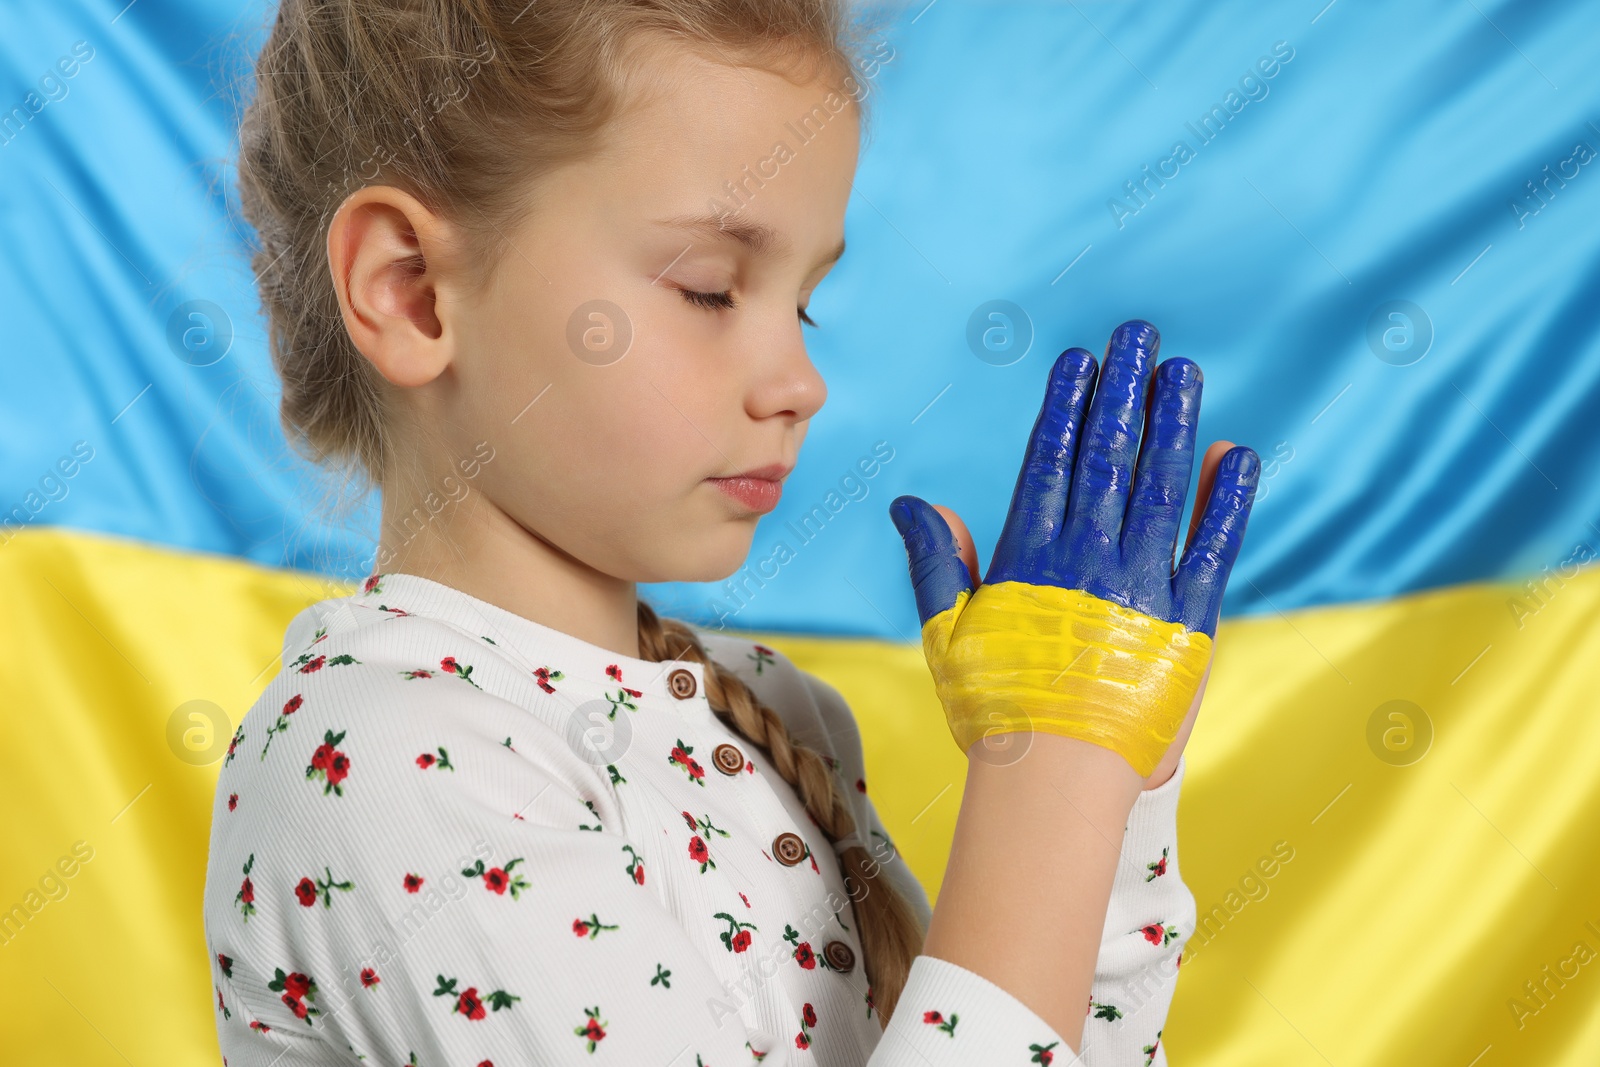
pixel 728 759
pixel 682 684
pixel 788 848
pixel 840 956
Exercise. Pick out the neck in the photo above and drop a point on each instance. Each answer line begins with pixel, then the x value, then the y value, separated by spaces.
pixel 477 548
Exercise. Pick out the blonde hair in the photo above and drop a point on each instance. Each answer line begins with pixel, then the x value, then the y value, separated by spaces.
pixel 464 104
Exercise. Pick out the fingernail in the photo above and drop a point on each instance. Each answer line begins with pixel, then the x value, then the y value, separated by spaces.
pixel 1075 362
pixel 1242 462
pixel 1181 372
pixel 900 515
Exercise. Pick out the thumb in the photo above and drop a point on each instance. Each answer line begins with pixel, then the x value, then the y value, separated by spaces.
pixel 938 573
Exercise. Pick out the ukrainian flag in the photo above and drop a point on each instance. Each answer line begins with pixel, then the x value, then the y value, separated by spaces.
pixel 1373 227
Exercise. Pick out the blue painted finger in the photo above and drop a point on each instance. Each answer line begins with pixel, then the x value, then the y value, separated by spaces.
pixel 1203 571
pixel 1161 482
pixel 1110 440
pixel 1039 501
pixel 937 571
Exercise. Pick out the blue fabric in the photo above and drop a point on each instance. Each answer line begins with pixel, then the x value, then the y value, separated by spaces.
pixel 1381 170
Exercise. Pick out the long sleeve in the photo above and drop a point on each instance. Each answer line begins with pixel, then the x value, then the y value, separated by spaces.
pixel 1150 918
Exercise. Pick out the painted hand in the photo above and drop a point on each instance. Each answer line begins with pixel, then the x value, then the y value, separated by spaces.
pixel 1081 626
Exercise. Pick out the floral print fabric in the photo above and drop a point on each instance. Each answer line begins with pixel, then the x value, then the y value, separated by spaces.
pixel 448 836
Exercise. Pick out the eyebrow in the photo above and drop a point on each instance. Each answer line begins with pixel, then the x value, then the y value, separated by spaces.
pixel 759 238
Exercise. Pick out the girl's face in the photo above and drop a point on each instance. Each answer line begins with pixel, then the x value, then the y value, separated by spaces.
pixel 609 394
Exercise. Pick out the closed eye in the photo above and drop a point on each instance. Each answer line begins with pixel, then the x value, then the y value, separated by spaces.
pixel 724 301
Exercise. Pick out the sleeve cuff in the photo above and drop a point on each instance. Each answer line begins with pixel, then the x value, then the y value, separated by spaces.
pixel 1153 820
pixel 950 1015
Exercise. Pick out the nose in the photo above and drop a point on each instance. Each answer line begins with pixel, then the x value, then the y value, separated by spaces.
pixel 789 383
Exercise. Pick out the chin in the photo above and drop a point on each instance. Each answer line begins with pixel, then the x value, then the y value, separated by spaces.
pixel 710 556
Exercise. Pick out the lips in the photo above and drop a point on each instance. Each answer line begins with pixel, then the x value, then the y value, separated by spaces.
pixel 758 490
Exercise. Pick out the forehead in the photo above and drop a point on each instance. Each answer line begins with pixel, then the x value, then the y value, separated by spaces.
pixel 695 136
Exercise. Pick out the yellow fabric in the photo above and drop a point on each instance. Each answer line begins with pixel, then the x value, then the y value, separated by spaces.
pixel 1019 658
pixel 1416 901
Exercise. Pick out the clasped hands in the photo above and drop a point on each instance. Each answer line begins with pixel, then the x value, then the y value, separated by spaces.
pixel 1082 627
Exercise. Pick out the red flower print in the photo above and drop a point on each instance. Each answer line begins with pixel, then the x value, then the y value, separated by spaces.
pixel 614 672
pixel 681 756
pixel 413 882
pixel 745 899
pixel 635 866
pixel 450 665
pixel 314 665
pixel 1156 869
pixel 371 583
pixel 233 801
pixel 805 957
pixel 329 764
pixel 1159 933
pixel 246 897
pixel 442 760
pixel 736 938
pixel 594 1028
pixel 369 978
pixel 293 704
pixel 861 785
pixel 257 1024
pixel 498 879
pixel 933 1018
pixel 1042 1054
pixel 297 990
pixel 690 820
pixel 543 675
pixel 698 851
pixel 809 1014
pixel 226 963
pixel 308 891
pixel 468 1003
pixel 420 672
pixel 802 1040
pixel 589 927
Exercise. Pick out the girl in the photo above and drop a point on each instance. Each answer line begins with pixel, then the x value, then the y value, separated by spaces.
pixel 538 271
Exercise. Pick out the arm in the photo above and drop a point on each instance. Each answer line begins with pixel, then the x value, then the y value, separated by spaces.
pixel 1074 666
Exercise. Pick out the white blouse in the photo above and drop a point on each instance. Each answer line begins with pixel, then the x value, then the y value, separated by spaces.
pixel 449 836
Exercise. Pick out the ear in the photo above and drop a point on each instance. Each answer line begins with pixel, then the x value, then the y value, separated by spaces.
pixel 387 252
